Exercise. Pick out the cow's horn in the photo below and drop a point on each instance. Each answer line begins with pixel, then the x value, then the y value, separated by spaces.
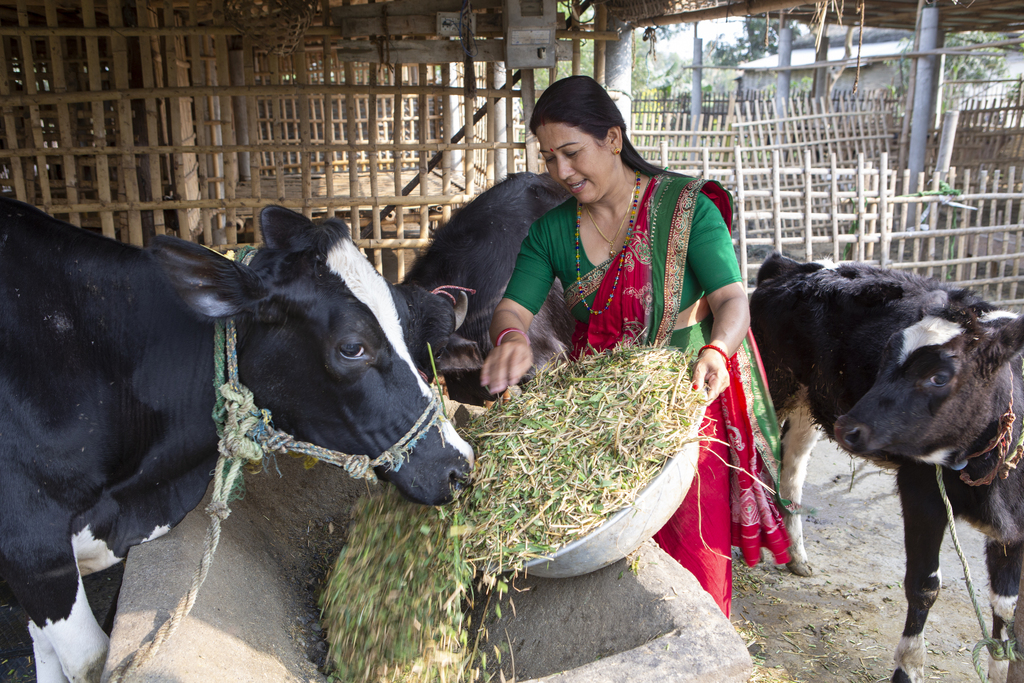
pixel 461 308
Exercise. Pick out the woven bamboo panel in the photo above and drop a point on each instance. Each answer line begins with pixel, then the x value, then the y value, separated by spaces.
pixel 965 229
pixel 174 123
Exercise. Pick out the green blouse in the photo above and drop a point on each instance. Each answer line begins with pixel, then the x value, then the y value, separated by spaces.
pixel 549 251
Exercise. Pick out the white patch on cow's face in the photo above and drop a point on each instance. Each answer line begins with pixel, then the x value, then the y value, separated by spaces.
pixel 371 289
pixel 92 554
pixel 367 285
pixel 73 649
pixel 930 331
pixel 992 316
pixel 910 657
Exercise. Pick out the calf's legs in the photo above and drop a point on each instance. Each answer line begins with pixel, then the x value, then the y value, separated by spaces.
pixel 799 435
pixel 1004 565
pixel 923 527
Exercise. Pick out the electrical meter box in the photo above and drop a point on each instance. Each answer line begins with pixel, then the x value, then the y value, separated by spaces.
pixel 529 33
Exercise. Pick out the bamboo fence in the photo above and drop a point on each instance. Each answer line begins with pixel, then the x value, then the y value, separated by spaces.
pixel 175 123
pixel 148 118
pixel 965 229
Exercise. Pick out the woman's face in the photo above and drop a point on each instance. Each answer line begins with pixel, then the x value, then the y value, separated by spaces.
pixel 584 165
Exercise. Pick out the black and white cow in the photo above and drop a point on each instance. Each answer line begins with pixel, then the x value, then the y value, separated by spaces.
pixel 477 249
pixel 910 374
pixel 106 369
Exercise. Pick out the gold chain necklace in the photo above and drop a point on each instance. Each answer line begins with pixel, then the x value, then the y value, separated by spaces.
pixel 611 242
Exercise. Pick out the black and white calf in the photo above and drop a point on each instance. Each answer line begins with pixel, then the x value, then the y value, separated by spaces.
pixel 910 374
pixel 106 369
pixel 477 250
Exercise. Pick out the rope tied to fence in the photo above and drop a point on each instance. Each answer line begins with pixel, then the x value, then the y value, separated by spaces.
pixel 248 437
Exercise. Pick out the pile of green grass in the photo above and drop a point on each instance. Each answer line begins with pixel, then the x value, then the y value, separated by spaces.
pixel 552 465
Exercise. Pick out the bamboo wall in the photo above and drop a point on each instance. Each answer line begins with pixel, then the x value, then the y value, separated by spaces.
pixel 966 229
pixel 141 118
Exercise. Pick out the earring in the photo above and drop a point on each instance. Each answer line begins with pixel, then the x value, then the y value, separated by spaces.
pixel 616 150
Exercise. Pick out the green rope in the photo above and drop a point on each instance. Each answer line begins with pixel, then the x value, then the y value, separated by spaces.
pixel 1005 650
pixel 945 190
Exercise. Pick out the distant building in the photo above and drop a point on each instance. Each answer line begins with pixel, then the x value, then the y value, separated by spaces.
pixel 760 74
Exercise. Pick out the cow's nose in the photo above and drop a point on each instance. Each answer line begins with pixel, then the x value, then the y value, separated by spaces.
pixel 852 435
pixel 459 478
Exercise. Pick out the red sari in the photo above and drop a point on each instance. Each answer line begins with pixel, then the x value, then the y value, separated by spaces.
pixel 730 501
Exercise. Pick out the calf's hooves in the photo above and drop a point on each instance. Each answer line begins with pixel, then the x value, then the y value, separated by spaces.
pixel 799 567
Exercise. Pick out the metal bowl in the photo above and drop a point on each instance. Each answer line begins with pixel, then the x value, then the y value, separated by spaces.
pixel 629 527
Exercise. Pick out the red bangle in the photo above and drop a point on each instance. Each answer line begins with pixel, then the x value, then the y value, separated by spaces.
pixel 716 348
pixel 497 342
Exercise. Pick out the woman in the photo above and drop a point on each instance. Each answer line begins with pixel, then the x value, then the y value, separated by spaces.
pixel 645 256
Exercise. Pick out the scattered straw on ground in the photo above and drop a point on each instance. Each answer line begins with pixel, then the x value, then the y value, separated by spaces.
pixel 552 466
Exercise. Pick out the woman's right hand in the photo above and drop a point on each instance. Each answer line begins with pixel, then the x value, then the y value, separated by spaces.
pixel 506 363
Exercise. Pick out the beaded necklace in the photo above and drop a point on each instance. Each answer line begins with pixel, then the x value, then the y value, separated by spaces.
pixel 622 251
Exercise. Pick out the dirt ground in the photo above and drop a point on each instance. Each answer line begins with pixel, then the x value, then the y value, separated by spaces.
pixel 844 622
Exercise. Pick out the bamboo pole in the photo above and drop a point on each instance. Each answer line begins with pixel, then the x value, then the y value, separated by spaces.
pixel 808 204
pixel 255 185
pixel 228 130
pixel 29 72
pixel 98 122
pixel 69 163
pixel 200 121
pixel 741 203
pixel 351 137
pixel 128 175
pixel 143 12
pixel 447 123
pixel 399 133
pixel 372 133
pixel 424 161
pixel 885 224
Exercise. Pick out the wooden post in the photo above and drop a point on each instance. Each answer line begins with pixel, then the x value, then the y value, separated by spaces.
pixel 784 76
pixel 921 122
pixel 696 92
pixel 949 122
pixel 98 128
pixel 63 114
pixel 529 99
pixel 600 45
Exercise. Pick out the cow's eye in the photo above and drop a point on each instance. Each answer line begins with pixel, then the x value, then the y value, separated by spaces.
pixel 939 379
pixel 351 351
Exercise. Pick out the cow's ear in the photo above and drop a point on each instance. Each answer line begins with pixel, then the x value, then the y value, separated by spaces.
pixel 210 284
pixel 282 228
pixel 1008 340
pixel 460 354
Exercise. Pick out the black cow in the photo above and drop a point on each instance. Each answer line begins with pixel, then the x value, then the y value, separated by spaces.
pixel 909 373
pixel 477 249
pixel 106 368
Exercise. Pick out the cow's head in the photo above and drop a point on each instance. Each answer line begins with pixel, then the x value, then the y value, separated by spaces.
pixel 942 386
pixel 328 345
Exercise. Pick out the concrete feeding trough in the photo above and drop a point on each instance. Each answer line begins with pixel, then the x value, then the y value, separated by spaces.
pixel 256 617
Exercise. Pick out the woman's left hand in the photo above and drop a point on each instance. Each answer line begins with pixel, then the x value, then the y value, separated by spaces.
pixel 711 373
pixel 732 319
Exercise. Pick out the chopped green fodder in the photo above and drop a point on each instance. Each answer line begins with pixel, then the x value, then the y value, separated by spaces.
pixel 552 465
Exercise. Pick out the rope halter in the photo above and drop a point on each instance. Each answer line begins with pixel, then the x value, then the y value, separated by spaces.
pixel 248 434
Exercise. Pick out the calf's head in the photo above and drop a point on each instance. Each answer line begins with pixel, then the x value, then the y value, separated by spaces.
pixel 942 384
pixel 327 344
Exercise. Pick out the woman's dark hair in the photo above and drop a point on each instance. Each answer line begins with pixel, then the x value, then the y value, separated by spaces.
pixel 581 102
